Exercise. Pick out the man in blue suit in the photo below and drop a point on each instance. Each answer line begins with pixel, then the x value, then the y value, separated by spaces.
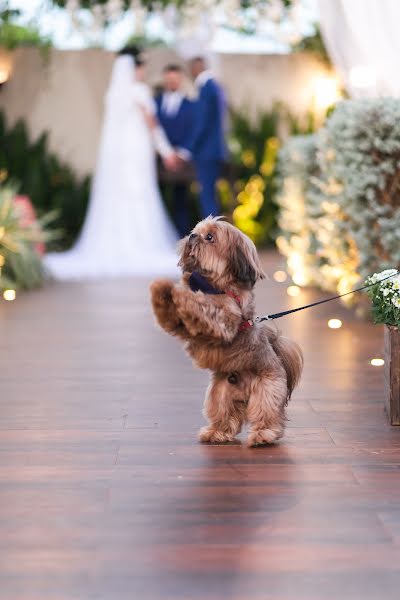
pixel 175 114
pixel 205 143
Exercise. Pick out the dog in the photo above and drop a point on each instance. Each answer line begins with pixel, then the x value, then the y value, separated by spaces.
pixel 254 369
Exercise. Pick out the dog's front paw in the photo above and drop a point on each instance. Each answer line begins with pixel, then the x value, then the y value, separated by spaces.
pixel 179 296
pixel 163 306
pixel 214 436
pixel 261 437
pixel 161 291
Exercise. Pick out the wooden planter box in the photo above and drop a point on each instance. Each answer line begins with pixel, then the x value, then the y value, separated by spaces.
pixel 392 374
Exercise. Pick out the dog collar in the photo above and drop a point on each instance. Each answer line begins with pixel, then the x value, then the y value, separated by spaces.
pixel 198 283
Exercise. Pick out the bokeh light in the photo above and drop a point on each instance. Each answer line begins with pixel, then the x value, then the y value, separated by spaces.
pixel 9 295
pixel 293 290
pixel 377 362
pixel 334 323
pixel 280 276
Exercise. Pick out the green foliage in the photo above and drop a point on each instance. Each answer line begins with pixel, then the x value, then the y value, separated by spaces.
pixel 142 41
pixel 254 146
pixel 314 44
pixel 253 149
pixel 153 4
pixel 13 36
pixel 20 262
pixel 50 184
pixel 339 198
pixel 385 297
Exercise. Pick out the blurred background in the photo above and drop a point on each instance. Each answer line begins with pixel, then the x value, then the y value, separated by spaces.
pixel 295 74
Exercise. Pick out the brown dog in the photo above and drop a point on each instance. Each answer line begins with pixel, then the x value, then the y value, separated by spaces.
pixel 254 369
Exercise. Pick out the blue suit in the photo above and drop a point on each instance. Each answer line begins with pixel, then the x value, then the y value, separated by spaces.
pixel 206 143
pixel 176 127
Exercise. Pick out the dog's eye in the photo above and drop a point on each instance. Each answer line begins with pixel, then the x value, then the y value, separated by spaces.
pixel 209 237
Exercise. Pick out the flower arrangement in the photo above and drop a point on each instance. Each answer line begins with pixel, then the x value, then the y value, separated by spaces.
pixel 385 295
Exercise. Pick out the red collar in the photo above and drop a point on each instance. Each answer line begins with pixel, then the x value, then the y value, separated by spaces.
pixel 234 296
pixel 245 324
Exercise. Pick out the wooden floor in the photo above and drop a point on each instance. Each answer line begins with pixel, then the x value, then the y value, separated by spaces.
pixel 105 493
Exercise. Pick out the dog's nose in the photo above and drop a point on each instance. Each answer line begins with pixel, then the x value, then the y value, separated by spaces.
pixel 192 237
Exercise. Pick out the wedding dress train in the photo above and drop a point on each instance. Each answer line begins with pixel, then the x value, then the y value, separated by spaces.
pixel 126 230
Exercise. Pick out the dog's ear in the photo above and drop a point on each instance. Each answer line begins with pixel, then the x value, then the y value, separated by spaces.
pixel 245 264
pixel 183 251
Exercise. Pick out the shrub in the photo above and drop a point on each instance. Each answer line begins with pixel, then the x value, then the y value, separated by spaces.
pixel 253 152
pixel 349 189
pixel 249 191
pixel 50 184
pixel 13 35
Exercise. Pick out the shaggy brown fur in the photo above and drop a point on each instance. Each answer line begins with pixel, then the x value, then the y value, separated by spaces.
pixel 254 370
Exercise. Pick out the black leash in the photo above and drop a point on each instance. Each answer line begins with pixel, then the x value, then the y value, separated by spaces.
pixel 293 310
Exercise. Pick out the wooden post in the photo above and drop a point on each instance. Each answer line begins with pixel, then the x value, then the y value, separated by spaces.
pixel 392 374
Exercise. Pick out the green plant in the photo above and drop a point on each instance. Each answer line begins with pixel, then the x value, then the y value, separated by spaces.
pixel 50 184
pixel 253 150
pixel 254 146
pixel 151 4
pixel 314 43
pixel 20 263
pixel 13 35
pixel 385 297
pixel 144 41
pixel 348 203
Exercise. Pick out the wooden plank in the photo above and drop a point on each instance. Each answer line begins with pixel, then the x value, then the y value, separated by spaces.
pixel 392 374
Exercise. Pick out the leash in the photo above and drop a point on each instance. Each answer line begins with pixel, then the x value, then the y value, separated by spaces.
pixel 198 283
pixel 278 315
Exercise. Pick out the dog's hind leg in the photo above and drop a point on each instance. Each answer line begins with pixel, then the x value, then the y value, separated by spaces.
pixel 266 409
pixel 225 409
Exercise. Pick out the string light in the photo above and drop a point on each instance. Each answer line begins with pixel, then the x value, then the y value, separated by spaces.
pixel 334 323
pixel 293 290
pixel 9 295
pixel 377 362
pixel 280 276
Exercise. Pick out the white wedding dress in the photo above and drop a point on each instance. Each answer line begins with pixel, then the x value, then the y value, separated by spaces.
pixel 126 231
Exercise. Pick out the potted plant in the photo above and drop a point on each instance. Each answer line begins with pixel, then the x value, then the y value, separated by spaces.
pixel 385 295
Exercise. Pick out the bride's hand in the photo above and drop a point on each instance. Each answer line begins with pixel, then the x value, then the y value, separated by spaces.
pixel 171 162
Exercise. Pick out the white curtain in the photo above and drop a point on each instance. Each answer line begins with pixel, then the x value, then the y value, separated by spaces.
pixel 362 38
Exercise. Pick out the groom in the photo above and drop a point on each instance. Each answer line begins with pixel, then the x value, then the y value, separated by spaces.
pixel 205 143
pixel 175 114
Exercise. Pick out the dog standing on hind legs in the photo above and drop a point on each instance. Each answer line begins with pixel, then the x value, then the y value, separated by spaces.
pixel 254 369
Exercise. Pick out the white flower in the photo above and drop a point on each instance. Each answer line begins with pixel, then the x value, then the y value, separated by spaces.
pixel 385 274
pixel 385 292
pixel 396 302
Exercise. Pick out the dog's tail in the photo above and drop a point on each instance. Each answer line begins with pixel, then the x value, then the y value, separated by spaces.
pixel 291 357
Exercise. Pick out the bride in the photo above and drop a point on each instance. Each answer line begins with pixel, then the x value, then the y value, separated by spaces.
pixel 126 231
